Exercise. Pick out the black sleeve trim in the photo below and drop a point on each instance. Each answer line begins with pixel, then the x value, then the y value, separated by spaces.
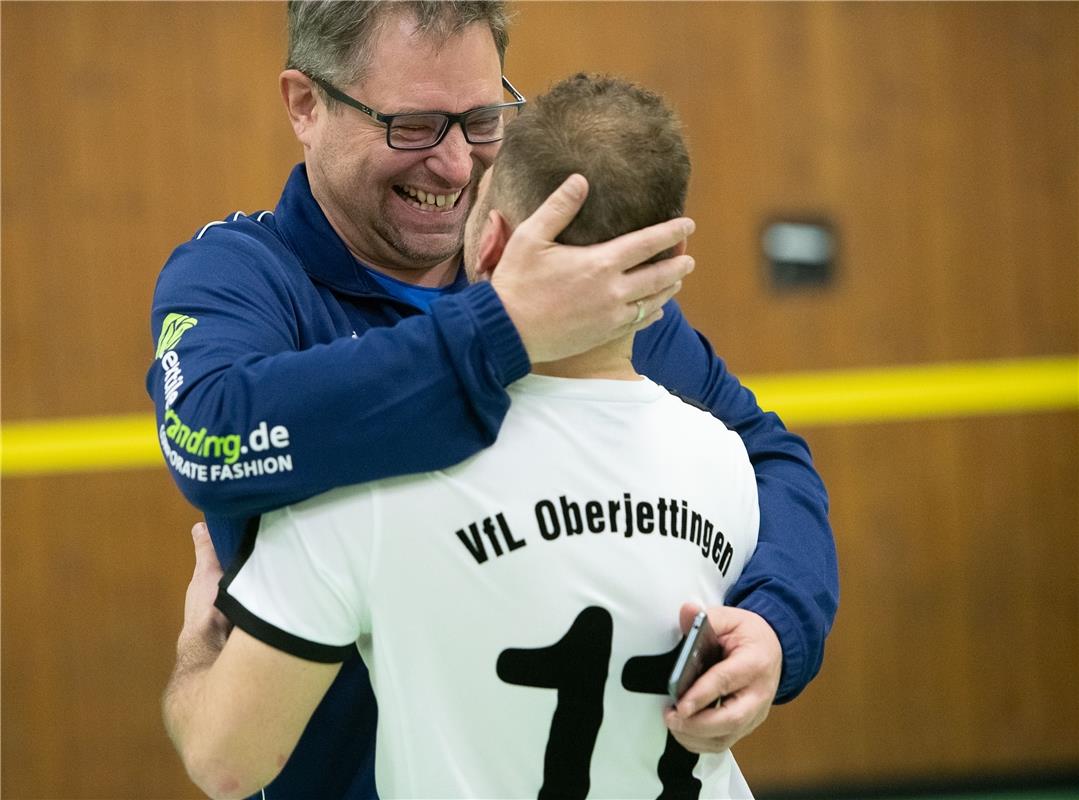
pixel 263 631
pixel 251 530
pixel 279 639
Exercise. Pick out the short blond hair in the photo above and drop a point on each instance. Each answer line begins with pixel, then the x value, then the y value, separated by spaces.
pixel 623 138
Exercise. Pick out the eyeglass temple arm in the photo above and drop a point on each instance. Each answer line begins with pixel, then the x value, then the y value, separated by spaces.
pixel 340 96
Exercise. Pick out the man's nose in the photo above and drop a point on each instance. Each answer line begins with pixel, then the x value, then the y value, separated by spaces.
pixel 451 160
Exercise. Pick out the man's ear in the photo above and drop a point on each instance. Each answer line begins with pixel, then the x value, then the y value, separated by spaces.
pixel 301 102
pixel 496 232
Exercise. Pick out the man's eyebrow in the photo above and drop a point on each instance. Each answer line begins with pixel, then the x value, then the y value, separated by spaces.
pixel 421 110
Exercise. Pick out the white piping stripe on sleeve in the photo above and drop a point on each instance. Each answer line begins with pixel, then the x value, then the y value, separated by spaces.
pixel 209 225
pixel 263 214
pixel 237 215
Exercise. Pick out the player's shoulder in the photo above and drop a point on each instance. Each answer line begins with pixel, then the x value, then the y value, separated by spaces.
pixel 675 402
pixel 695 416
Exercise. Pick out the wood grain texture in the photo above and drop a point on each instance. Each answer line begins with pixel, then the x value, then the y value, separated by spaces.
pixel 942 139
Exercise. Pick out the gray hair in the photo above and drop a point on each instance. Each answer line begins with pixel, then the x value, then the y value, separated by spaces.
pixel 330 39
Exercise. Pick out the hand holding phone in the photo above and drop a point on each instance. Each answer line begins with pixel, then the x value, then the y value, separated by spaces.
pixel 699 652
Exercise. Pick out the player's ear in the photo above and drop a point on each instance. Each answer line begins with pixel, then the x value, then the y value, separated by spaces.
pixel 301 102
pixel 496 232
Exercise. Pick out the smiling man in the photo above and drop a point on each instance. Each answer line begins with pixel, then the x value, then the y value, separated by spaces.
pixel 397 193
pixel 336 340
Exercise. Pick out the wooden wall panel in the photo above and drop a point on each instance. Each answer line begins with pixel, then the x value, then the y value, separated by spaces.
pixel 127 127
pixel 943 139
pixel 94 573
pixel 958 628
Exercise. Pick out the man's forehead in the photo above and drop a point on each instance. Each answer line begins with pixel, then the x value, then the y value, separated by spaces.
pixel 410 64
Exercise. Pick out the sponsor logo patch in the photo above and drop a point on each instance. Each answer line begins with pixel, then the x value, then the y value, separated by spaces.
pixel 172 330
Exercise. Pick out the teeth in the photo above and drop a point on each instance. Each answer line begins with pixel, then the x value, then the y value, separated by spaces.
pixel 429 199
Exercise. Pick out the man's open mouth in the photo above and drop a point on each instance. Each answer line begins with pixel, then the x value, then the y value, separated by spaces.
pixel 427 201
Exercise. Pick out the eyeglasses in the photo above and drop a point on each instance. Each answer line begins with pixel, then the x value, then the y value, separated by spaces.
pixel 421 130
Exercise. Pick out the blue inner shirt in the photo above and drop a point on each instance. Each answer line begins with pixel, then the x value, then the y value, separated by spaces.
pixel 419 296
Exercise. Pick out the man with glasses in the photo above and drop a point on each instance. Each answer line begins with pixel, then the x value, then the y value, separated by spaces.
pixel 546 674
pixel 335 340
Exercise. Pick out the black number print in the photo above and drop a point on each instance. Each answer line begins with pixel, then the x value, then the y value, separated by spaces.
pixel 648 675
pixel 576 666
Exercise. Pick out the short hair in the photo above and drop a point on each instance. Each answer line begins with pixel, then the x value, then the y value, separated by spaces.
pixel 620 136
pixel 331 39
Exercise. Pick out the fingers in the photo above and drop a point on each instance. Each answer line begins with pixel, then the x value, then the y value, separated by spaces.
pixel 660 280
pixel 730 676
pixel 636 247
pixel 714 729
pixel 709 742
pixel 704 744
pixel 559 209
pixel 686 614
pixel 651 310
pixel 725 619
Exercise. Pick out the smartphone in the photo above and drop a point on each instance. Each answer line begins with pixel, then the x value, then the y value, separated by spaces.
pixel 699 652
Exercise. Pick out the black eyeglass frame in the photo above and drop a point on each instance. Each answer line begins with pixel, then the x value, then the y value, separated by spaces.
pixel 386 120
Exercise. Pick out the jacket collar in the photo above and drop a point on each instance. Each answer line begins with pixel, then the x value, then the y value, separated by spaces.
pixel 311 237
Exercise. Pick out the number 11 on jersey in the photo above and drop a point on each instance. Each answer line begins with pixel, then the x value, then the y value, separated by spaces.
pixel 576 666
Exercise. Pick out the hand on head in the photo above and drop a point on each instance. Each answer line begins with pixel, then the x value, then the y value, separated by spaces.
pixel 565 300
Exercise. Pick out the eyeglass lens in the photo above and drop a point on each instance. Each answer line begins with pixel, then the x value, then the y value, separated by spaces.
pixel 422 130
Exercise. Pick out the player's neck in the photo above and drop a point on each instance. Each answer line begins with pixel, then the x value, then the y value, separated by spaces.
pixel 611 361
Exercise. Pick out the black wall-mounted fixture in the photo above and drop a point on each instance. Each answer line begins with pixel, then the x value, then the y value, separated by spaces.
pixel 799 253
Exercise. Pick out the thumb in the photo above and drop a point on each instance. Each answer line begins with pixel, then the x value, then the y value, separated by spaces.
pixel 724 620
pixel 686 614
pixel 205 555
pixel 558 210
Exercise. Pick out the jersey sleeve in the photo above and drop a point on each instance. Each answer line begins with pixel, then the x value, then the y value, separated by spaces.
pixel 792 579
pixel 252 415
pixel 300 582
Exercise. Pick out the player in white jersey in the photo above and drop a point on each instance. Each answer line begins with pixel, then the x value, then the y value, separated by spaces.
pixel 557 559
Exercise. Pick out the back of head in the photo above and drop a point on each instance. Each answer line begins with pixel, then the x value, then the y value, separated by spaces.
pixel 620 136
pixel 331 39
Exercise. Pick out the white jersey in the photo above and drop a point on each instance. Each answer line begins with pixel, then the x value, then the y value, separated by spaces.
pixel 519 611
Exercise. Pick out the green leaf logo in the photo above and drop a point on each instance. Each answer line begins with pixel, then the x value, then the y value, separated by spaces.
pixel 175 326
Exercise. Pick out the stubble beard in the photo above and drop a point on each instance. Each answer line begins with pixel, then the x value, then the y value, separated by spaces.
pixel 413 251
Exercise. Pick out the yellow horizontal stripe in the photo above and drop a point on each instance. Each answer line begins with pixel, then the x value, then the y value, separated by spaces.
pixel 79 444
pixel 837 397
pixel 971 388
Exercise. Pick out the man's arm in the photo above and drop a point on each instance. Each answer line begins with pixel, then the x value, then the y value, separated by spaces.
pixel 234 709
pixel 423 394
pixel 791 582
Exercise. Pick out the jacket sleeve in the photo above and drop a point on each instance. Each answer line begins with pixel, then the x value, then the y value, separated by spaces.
pixel 252 417
pixel 792 579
